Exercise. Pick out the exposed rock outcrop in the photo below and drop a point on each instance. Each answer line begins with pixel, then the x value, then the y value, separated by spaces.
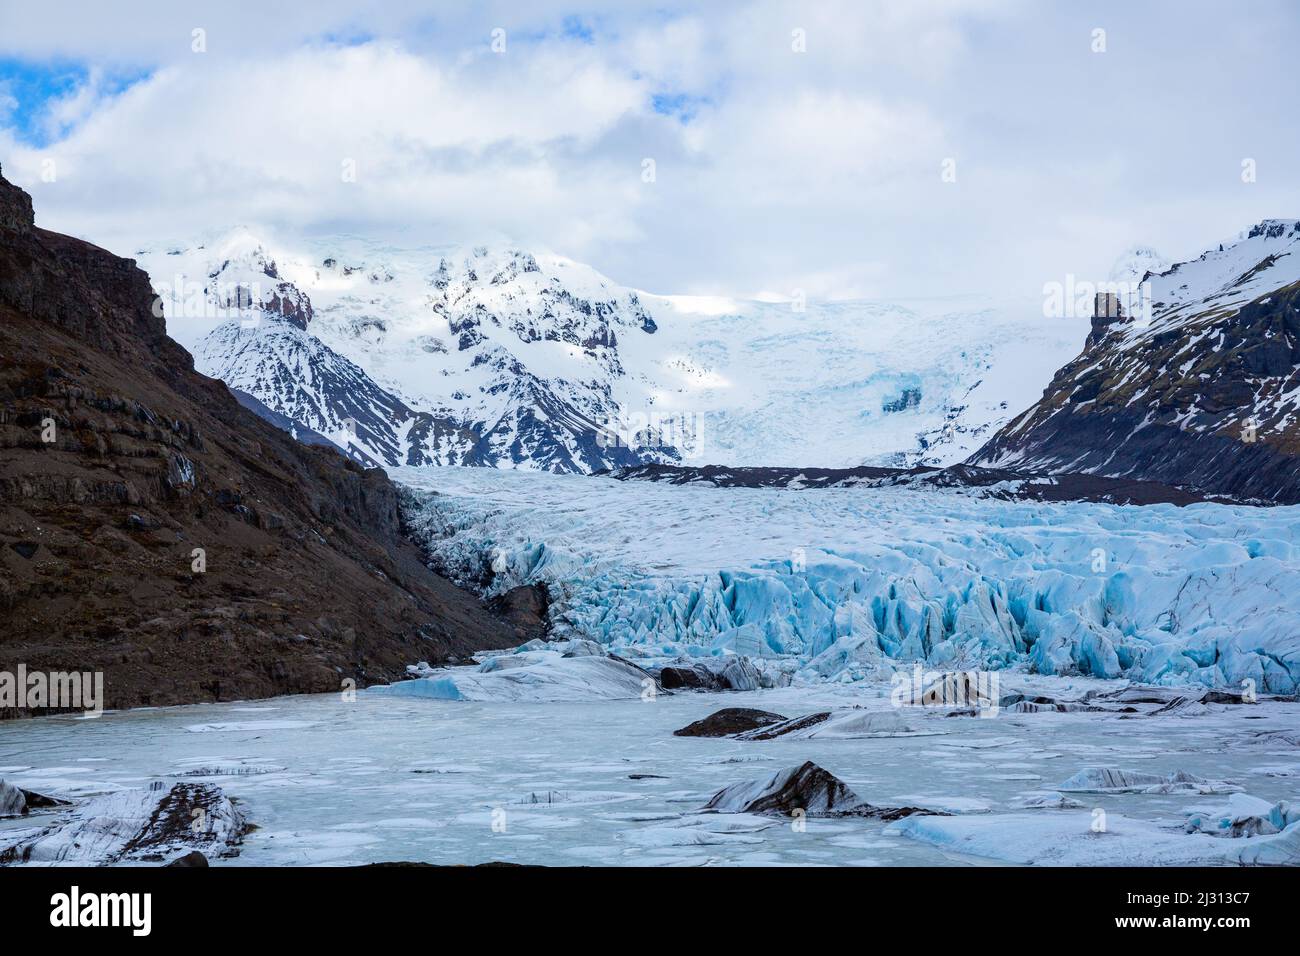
pixel 1203 393
pixel 728 721
pixel 806 789
pixel 153 529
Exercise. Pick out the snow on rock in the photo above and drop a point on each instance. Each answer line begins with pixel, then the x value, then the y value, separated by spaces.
pixel 843 725
pixel 1108 780
pixel 527 675
pixel 806 789
pixel 1201 389
pixel 133 826
pixel 843 584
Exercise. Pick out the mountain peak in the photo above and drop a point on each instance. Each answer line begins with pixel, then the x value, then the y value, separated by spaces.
pixel 15 207
pixel 1273 228
pixel 1135 263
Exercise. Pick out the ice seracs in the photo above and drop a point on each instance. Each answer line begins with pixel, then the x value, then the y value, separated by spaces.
pixel 838 584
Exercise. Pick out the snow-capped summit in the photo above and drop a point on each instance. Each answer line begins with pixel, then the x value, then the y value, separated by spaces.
pixel 498 356
pixel 1137 263
pixel 479 357
pixel 1273 229
pixel 1204 391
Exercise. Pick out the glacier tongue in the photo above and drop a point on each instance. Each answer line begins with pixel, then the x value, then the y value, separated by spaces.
pixel 842 584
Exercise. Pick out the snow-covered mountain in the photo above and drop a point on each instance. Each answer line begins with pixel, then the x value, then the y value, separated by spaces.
pixel 500 357
pixel 1203 391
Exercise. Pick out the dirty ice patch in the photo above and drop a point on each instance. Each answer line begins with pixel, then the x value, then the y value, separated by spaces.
pixel 527 676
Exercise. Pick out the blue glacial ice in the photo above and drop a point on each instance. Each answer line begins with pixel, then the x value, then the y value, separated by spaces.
pixel 844 584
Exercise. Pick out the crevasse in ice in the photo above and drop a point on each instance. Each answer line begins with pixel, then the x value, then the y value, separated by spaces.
pixel 839 583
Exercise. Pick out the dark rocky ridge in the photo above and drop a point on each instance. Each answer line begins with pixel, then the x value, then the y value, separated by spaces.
pixel 997 483
pixel 728 721
pixel 1203 399
pixel 309 579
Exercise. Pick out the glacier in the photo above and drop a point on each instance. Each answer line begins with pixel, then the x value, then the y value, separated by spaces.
pixel 847 585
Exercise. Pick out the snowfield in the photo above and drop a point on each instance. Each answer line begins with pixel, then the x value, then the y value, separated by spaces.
pixel 846 584
pixel 501 357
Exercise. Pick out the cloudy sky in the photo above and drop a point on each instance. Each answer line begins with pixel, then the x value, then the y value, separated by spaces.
pixel 794 145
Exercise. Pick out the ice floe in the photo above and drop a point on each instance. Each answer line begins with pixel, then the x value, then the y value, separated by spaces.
pixel 156 824
pixel 1091 838
pixel 528 674
pixel 1110 780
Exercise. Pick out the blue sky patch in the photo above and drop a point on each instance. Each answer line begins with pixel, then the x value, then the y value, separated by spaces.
pixel 575 28
pixel 684 106
pixel 27 90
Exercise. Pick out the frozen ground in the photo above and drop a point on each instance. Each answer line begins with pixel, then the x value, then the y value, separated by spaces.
pixel 381 778
pixel 844 583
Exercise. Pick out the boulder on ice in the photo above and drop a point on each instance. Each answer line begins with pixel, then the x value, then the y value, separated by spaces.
pixel 806 789
pixel 17 802
pixel 12 801
pixel 724 673
pixel 728 721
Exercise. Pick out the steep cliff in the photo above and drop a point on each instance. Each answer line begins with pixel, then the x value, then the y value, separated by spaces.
pixel 154 529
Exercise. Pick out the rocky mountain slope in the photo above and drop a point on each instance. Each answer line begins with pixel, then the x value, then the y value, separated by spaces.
pixel 153 529
pixel 480 360
pixel 499 357
pixel 1204 392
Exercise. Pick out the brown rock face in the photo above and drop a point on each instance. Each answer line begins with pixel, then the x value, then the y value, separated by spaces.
pixel 153 529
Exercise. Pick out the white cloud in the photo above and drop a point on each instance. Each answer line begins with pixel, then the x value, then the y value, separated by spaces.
pixel 816 170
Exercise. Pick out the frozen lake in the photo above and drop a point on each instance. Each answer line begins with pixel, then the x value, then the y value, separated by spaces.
pixel 384 778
